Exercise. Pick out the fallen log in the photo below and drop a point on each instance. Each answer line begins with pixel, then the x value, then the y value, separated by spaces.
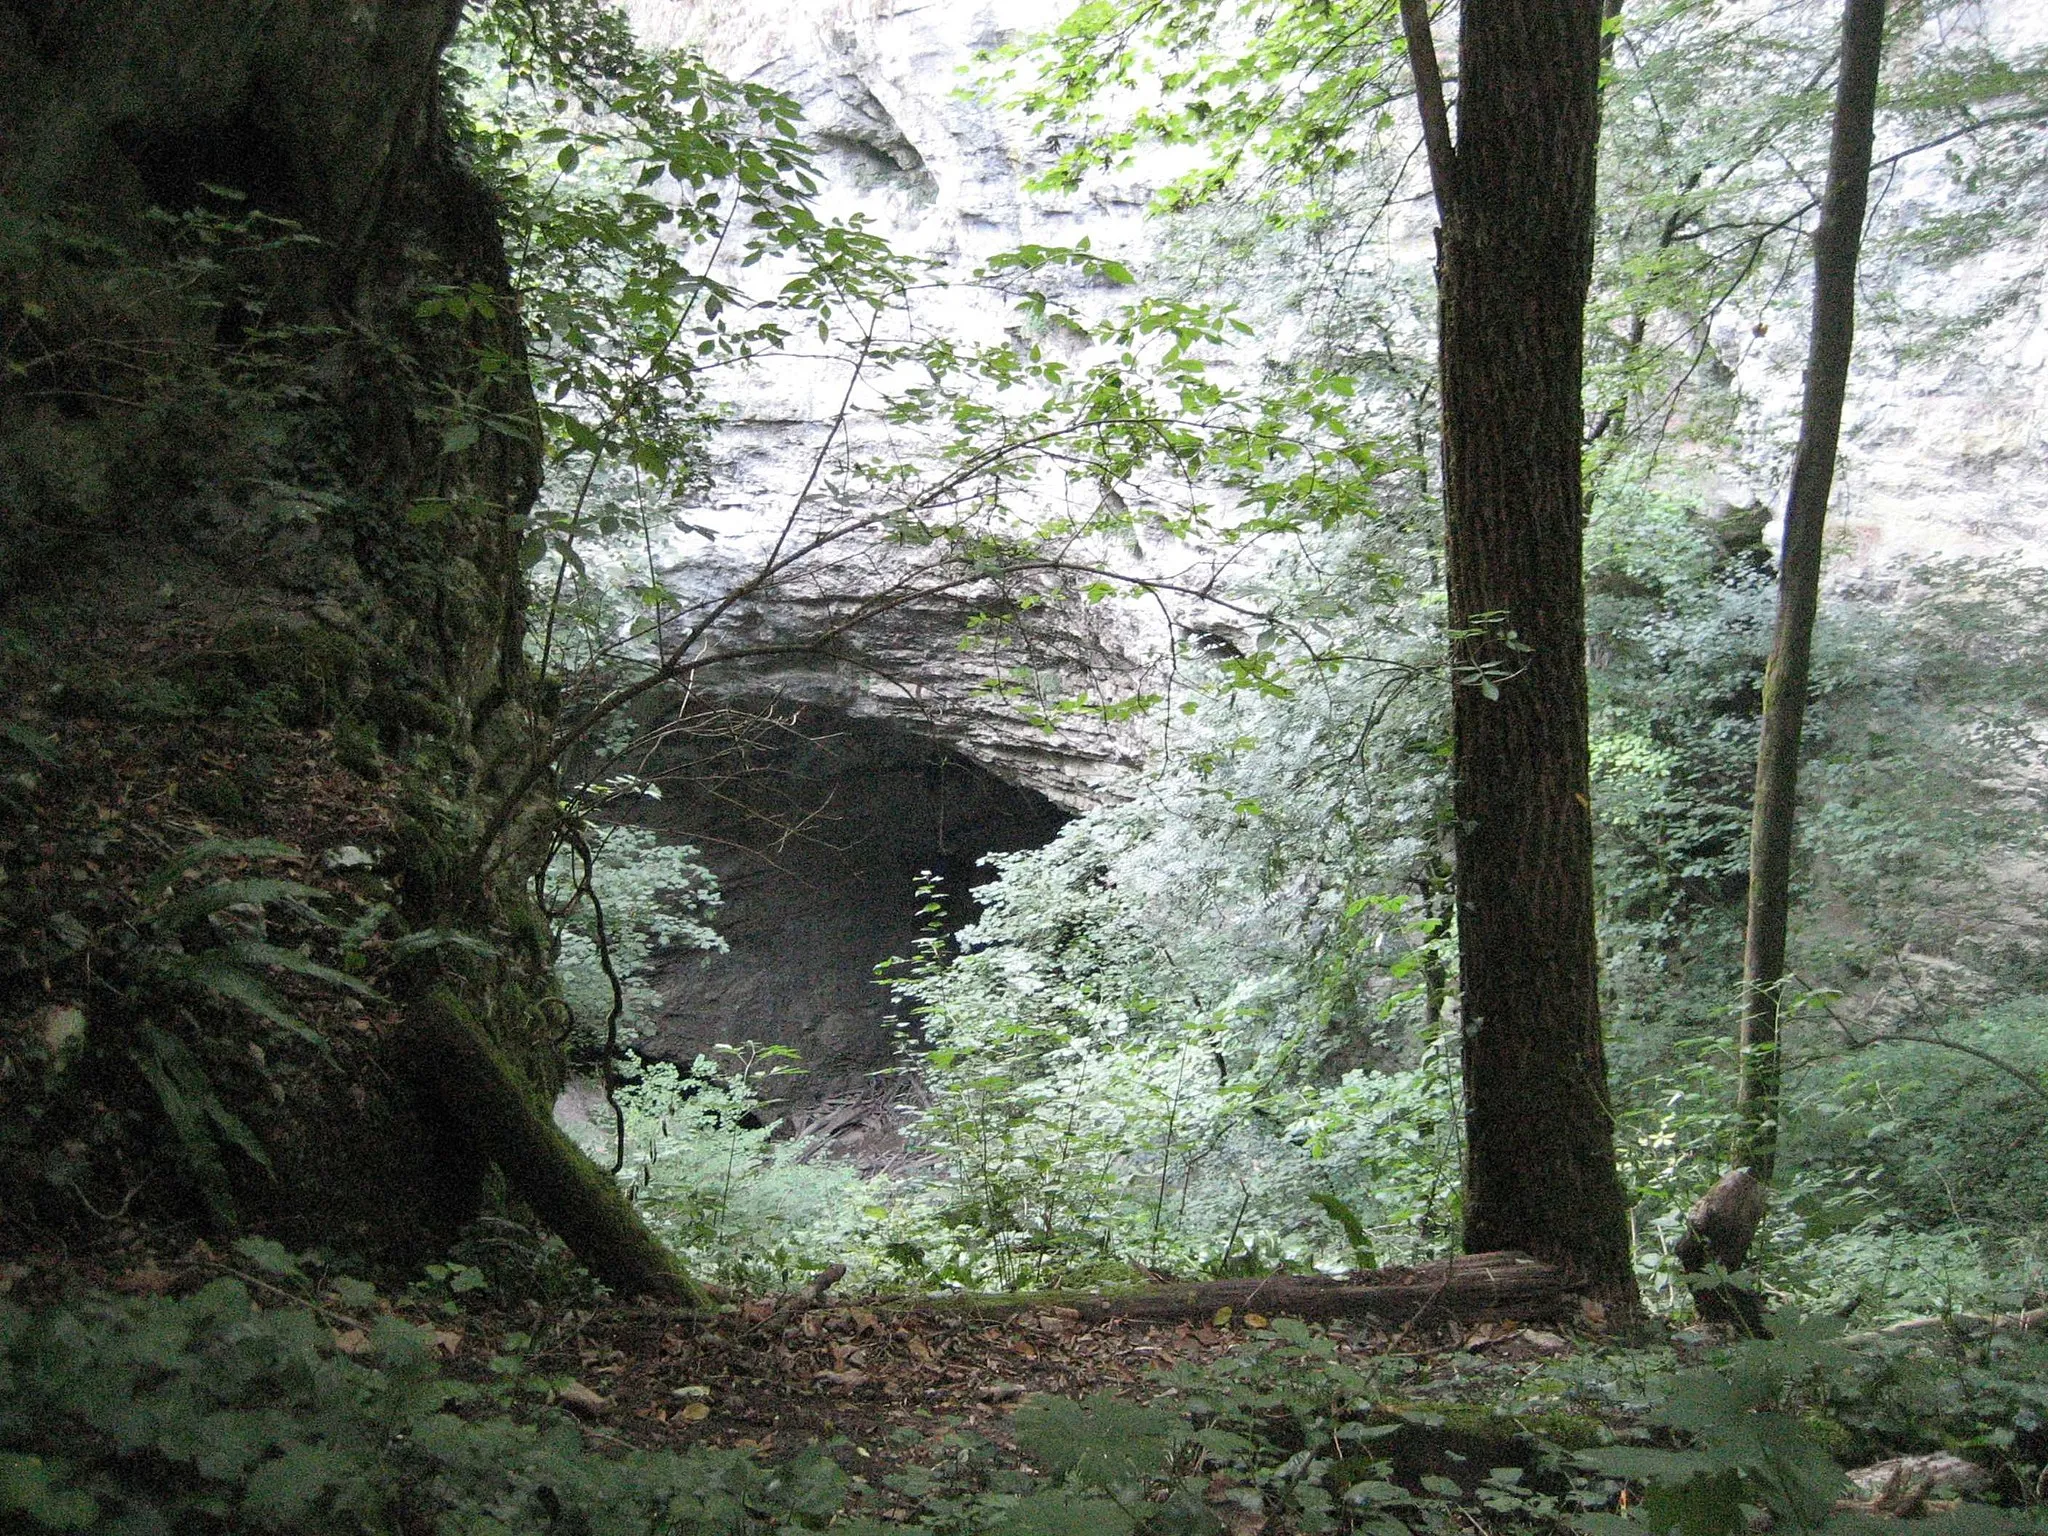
pixel 455 1065
pixel 1956 1328
pixel 1474 1287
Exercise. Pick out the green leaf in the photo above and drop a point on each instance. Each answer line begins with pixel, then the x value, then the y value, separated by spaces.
pixel 253 952
pixel 1709 1505
pixel 420 940
pixel 270 1256
pixel 34 743
pixel 284 1489
pixel 29 1486
pixel 221 975
pixel 212 848
pixel 195 1114
pixel 1101 1441
pixel 222 894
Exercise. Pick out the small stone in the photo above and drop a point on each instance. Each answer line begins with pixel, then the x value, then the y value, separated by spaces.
pixel 60 1026
pixel 1907 1477
pixel 346 857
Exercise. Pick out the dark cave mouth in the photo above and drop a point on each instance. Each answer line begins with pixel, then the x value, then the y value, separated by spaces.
pixel 824 830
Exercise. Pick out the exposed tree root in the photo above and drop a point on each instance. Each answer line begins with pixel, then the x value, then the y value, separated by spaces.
pixel 582 1204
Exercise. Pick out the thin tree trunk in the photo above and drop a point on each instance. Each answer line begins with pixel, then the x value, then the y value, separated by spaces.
pixel 1837 245
pixel 1516 262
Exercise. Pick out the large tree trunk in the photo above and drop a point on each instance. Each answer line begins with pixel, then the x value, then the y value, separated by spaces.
pixel 1517 248
pixel 210 472
pixel 1837 245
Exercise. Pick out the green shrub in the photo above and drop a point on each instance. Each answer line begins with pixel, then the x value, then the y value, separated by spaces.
pixel 207 1413
pixel 703 1167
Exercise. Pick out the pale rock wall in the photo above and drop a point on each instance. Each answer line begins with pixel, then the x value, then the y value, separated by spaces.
pixel 1943 457
pixel 902 142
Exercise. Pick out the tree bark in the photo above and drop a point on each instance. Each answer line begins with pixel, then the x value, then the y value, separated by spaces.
pixel 1718 1231
pixel 1516 263
pixel 1837 246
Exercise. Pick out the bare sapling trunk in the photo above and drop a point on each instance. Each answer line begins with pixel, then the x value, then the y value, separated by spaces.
pixel 1516 196
pixel 1837 246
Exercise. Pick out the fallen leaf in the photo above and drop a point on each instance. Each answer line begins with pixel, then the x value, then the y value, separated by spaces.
pixel 351 1341
pixel 1253 1320
pixel 446 1342
pixel 690 1413
pixel 842 1378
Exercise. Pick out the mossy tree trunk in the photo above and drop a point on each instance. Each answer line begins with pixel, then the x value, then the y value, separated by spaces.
pixel 454 1063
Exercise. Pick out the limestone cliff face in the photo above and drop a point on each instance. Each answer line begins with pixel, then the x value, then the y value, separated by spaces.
pixel 1942 458
pixel 262 607
pixel 1944 454
pixel 1945 449
pixel 891 759
pixel 903 144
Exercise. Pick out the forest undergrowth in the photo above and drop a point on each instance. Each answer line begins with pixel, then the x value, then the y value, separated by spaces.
pixel 1211 1032
pixel 251 1390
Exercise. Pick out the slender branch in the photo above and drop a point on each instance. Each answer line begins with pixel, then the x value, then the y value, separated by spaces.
pixel 2019 1074
pixel 572 833
pixel 1429 101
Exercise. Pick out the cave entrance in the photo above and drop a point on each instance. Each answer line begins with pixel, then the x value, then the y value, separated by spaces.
pixel 820 826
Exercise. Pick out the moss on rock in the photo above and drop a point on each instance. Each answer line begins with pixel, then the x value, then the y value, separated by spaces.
pixel 236 630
